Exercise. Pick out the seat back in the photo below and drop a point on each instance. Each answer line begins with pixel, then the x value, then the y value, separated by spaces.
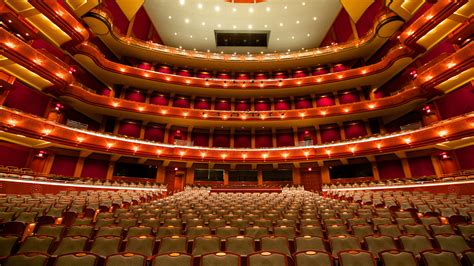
pixel 206 244
pixel 220 258
pixel 125 258
pixel 173 259
pixel 141 245
pixel 71 244
pixel 79 258
pixel 313 258
pixel 356 258
pixel 397 258
pixel 106 245
pixel 439 258
pixel 304 243
pixel 29 258
pixel 173 244
pixel 415 243
pixel 242 245
pixel 276 244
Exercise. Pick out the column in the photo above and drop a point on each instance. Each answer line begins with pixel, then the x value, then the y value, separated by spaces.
pixel 367 127
pixel 167 133
pixel 406 167
pixel 79 166
pixel 354 29
pixel 292 102
pixel 232 135
pixel 436 166
pixel 252 138
pixel 295 136
pixel 274 139
pixel 116 127
pixel 160 174
pixel 375 171
pixel 325 176
pixel 48 164
pixel 252 104
pixel 110 170
pixel 211 137
pixel 336 98
pixel 342 130
pixel 296 176
pixel 142 131
pixel 226 177
pixel 318 135
pixel 190 176
pixel 232 104
pixel 260 178
pixel 213 103
pixel 188 136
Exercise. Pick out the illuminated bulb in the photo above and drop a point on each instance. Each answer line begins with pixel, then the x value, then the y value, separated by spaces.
pixel 146 75
pixel 352 149
pixel 244 156
pixel 265 156
pixel 159 152
pixel 442 133
pixel 135 149
pixel 323 113
pixel 37 61
pixel 318 80
pixel 428 17
pixel 141 109
pixel 164 112
pixel 185 114
pixel 340 76
pixel 364 71
pixel 328 152
pixel 59 75
pixel 78 29
pixel 302 114
pixel 46 131
pixel 299 82
pixel 10 44
pixel 263 117
pixel 109 145
pixel 371 106
pixel 407 140
pixel 306 153
pixel 346 110
pixel 203 154
pixel 285 155
pixel 244 117
pixel 224 117
pixel 428 78
pixel 224 155
pixel 181 153
pixel 379 146
pixel 188 81
pixel 115 104
pixel 168 78
pixel 410 33
pixel 204 115
pixel 12 122
pixel 450 65
pixel 80 139
pixel 207 83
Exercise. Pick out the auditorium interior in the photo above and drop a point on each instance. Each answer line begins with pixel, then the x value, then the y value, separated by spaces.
pixel 236 132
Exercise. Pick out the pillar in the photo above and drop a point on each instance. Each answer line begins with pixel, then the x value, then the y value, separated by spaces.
pixel 48 163
pixel 318 135
pixel 274 139
pixel 260 178
pixel 79 167
pixel 232 140
pixel 226 177
pixel 436 166
pixel 336 98
pixel 375 171
pixel 142 131
pixel 406 167
pixel 160 174
pixel 252 138
pixel 190 176
pixel 296 176
pixel 342 130
pixel 110 170
pixel 325 176
pixel 295 136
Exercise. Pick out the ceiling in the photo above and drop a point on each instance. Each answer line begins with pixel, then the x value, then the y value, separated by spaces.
pixel 292 24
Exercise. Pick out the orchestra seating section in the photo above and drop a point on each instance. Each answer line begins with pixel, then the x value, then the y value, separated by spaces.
pixel 294 227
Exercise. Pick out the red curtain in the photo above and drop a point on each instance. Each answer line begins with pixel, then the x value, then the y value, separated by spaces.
pixel 64 165
pixel 421 166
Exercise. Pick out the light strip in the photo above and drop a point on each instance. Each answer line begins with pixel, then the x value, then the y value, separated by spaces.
pixel 39 182
pixel 399 186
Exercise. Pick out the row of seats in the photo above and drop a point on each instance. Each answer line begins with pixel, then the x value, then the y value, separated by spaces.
pixel 281 222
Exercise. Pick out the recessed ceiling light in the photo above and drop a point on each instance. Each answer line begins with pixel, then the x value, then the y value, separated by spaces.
pixel 180 47
pixel 200 6
pixel 175 33
pixel 289 50
pixel 268 9
pixel 297 22
pixel 186 20
pixel 203 23
pixel 278 39
pixel 182 2
pixel 293 37
pixel 218 25
pixel 304 3
pixel 191 36
pixel 308 34
pixel 217 8
pixel 281 24
pixel 265 25
pixel 251 10
pixel 250 26
pixel 235 27
pixel 315 18
pixel 205 38
pixel 234 9
pixel 169 17
pixel 208 50
pixel 285 7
